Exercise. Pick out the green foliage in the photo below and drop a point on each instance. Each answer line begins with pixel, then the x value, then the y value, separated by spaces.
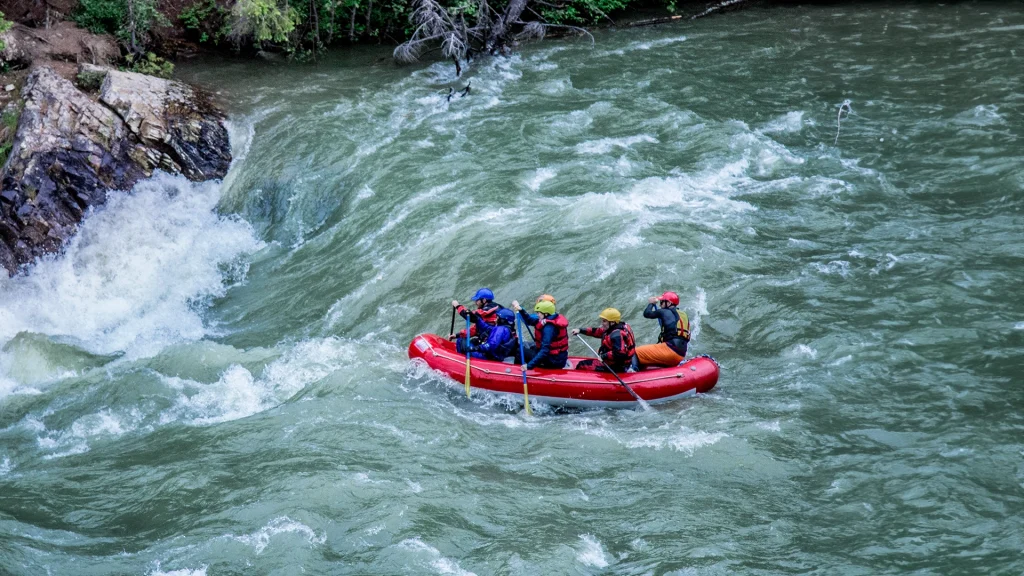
pixel 5 25
pixel 583 12
pixel 9 121
pixel 150 64
pixel 303 27
pixel 263 21
pixel 10 118
pixel 206 20
pixel 129 20
pixel 100 16
pixel 140 17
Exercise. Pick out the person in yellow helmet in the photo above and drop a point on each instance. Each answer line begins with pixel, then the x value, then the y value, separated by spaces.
pixel 551 335
pixel 618 347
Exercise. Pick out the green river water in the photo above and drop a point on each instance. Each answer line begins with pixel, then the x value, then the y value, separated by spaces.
pixel 213 378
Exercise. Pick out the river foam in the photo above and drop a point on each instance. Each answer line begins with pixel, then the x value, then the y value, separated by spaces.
pixel 591 552
pixel 429 556
pixel 137 275
pixel 261 539
pixel 238 393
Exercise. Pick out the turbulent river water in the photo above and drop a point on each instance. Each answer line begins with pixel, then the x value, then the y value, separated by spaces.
pixel 213 378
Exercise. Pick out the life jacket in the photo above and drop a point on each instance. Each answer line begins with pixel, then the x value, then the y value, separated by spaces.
pixel 483 319
pixel 508 348
pixel 628 348
pixel 678 330
pixel 489 313
pixel 560 343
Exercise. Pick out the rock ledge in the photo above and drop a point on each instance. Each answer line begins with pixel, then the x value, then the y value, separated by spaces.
pixel 70 149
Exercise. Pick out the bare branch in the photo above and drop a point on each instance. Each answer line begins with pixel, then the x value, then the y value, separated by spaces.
pixel 533 30
pixel 410 51
pixel 453 46
pixel 483 14
pixel 583 31
pixel 407 52
pixel 716 8
pixel 430 16
pixel 653 21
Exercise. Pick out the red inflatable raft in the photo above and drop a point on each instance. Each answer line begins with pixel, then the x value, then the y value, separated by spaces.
pixel 571 388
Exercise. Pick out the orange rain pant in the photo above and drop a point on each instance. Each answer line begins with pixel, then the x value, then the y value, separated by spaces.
pixel 657 355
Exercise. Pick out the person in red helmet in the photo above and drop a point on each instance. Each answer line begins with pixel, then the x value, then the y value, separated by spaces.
pixel 675 332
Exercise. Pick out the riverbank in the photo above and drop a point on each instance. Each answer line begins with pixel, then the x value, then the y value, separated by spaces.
pixel 181 29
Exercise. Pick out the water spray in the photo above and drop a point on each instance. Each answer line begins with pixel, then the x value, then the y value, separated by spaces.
pixel 839 118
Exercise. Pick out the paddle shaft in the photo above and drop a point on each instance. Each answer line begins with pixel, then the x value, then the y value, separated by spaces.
pixel 522 360
pixel 467 353
pixel 452 329
pixel 624 385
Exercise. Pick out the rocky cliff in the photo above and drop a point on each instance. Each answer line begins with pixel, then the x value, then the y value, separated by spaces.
pixel 71 148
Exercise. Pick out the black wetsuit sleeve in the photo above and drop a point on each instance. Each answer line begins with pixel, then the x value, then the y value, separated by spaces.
pixel 615 339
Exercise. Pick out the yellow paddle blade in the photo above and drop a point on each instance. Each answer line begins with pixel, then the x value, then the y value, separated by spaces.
pixel 467 378
pixel 526 396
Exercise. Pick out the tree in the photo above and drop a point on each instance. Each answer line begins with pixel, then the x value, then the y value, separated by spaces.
pixel 262 21
pixel 492 32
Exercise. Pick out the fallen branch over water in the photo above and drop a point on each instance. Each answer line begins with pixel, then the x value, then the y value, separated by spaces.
pixel 710 10
pixel 716 8
pixel 653 21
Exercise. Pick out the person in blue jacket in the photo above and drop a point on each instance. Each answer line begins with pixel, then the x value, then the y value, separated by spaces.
pixel 501 341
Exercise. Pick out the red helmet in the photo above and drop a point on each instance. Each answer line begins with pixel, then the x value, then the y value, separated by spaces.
pixel 671 297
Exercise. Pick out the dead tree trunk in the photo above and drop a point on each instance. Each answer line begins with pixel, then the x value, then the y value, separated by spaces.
pixel 498 34
pixel 369 14
pixel 352 25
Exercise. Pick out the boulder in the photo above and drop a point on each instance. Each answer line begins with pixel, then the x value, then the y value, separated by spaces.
pixel 171 117
pixel 70 150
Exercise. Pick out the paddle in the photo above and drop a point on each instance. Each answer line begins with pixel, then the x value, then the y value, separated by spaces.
pixel 451 331
pixel 522 359
pixel 642 402
pixel 467 355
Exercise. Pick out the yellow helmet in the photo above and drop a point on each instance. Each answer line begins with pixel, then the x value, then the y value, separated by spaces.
pixel 547 297
pixel 545 307
pixel 610 314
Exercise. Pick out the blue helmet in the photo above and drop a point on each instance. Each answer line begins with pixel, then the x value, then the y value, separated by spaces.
pixel 507 316
pixel 483 294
